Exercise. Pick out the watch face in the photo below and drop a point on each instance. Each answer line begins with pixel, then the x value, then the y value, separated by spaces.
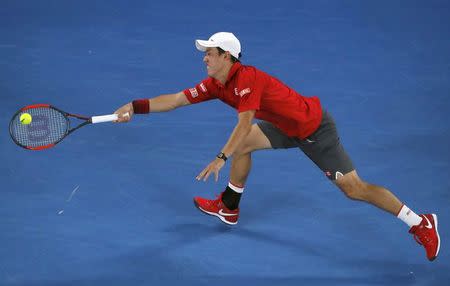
pixel 222 156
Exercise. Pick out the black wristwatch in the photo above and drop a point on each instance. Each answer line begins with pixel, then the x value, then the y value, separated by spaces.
pixel 222 156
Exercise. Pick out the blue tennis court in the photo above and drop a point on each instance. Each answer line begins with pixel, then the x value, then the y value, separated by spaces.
pixel 112 204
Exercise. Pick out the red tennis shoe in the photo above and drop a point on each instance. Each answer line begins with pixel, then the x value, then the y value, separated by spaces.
pixel 426 234
pixel 217 208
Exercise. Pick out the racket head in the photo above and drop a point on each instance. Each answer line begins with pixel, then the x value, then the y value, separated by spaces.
pixel 48 127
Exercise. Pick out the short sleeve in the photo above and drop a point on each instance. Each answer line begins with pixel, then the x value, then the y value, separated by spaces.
pixel 249 89
pixel 203 91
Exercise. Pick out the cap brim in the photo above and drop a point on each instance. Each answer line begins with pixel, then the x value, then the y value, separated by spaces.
pixel 203 45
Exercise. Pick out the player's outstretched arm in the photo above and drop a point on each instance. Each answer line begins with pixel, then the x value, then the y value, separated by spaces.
pixel 162 103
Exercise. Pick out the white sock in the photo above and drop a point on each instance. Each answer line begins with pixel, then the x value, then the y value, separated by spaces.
pixel 408 216
pixel 235 188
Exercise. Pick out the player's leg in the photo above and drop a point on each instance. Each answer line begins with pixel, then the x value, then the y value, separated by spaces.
pixel 423 227
pixel 325 149
pixel 241 164
pixel 262 136
pixel 356 189
pixel 241 160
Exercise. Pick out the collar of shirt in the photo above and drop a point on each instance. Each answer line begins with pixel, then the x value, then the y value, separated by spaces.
pixel 231 73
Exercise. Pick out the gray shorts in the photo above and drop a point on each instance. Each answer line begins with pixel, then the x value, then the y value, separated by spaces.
pixel 323 147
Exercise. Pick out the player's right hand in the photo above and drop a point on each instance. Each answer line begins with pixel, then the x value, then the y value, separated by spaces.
pixel 125 113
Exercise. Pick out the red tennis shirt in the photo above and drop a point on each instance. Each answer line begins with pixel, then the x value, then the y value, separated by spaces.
pixel 248 88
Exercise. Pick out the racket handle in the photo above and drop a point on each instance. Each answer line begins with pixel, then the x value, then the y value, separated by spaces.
pixel 104 118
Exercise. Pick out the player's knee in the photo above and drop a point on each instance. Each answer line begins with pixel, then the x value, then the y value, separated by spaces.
pixel 255 140
pixel 354 190
pixel 353 193
pixel 242 149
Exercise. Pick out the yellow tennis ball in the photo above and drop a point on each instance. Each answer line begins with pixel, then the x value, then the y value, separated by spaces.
pixel 26 118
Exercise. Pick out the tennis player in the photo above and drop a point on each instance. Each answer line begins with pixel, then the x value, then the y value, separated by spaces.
pixel 288 120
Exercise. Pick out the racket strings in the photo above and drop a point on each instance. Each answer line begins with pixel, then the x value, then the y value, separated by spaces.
pixel 48 126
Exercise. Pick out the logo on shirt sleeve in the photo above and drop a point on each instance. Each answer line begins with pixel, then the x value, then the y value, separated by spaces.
pixel 194 92
pixel 244 91
pixel 203 87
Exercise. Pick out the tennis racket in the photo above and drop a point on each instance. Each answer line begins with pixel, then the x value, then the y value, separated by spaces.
pixel 49 126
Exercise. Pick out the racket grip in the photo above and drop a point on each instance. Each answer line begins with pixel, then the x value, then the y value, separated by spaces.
pixel 104 118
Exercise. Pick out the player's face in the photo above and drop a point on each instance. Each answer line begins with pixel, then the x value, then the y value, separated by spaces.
pixel 214 62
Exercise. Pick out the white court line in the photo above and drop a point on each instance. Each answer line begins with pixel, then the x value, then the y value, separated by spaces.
pixel 73 192
pixel 68 200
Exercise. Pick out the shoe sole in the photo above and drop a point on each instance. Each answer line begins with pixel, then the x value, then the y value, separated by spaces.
pixel 214 214
pixel 437 233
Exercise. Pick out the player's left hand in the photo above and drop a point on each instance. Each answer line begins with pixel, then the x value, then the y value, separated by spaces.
pixel 213 167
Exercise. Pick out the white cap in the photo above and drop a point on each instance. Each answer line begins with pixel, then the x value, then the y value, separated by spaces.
pixel 224 40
